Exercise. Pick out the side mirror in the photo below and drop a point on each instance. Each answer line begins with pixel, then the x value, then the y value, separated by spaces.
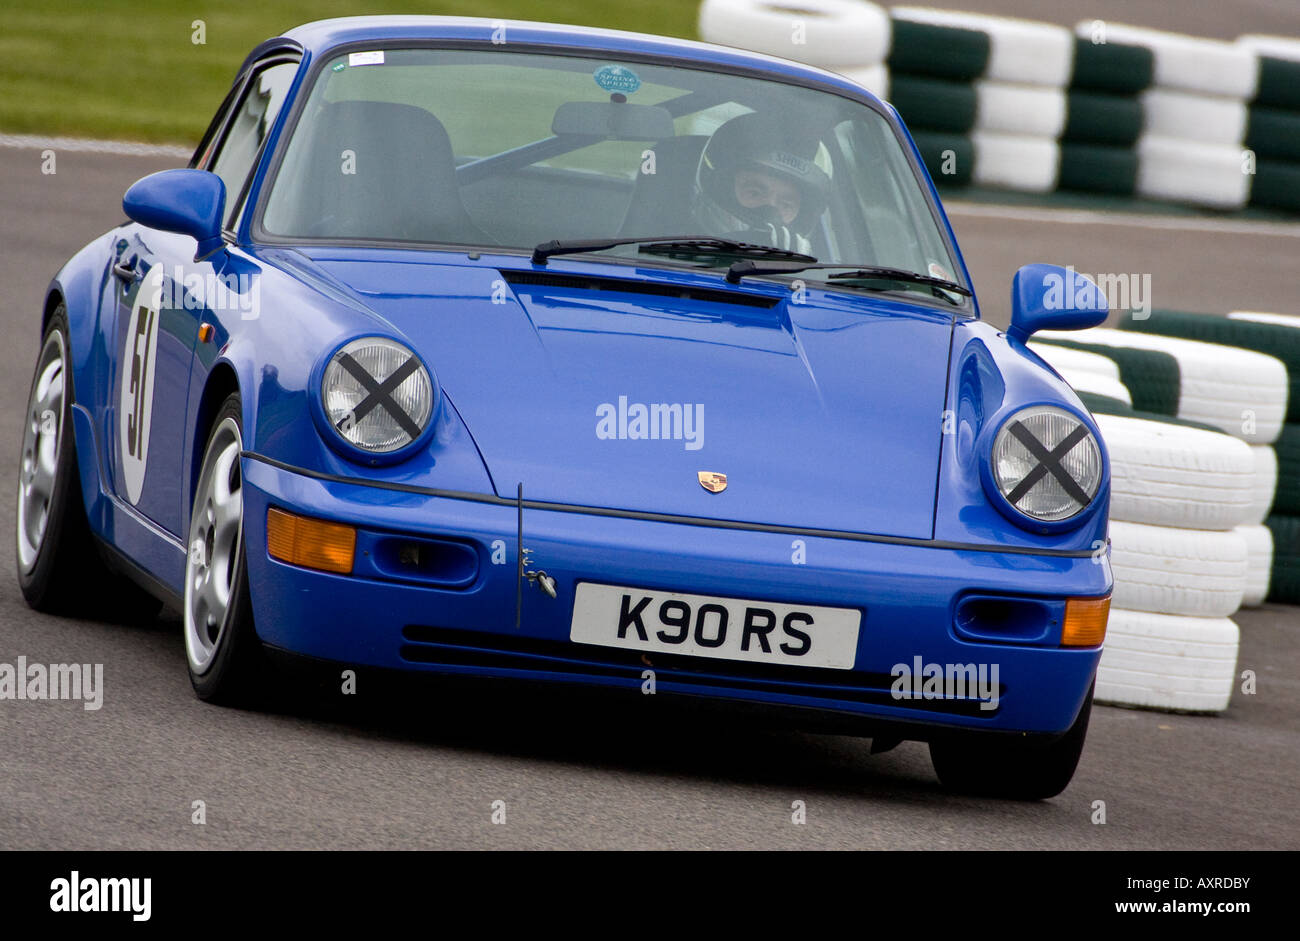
pixel 192 202
pixel 1049 297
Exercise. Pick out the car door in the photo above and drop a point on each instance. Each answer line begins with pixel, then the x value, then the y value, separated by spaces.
pixel 164 295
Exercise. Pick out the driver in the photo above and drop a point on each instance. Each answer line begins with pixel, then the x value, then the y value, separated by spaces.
pixel 758 180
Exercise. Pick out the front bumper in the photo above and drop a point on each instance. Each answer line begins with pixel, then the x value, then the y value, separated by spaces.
pixel 458 614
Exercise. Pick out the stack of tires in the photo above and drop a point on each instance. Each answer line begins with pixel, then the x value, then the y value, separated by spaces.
pixel 1194 116
pixel 1277 335
pixel 848 36
pixel 1024 105
pixel 1104 117
pixel 984 96
pixel 1184 495
pixel 1273 128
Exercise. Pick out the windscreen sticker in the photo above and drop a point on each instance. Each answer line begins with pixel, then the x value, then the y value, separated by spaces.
pixel 135 412
pixel 617 78
pixel 939 271
pixel 366 58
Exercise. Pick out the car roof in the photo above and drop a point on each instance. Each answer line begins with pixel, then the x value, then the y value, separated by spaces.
pixel 323 35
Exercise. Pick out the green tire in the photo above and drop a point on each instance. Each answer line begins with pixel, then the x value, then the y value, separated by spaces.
pixel 1274 339
pixel 1112 67
pixel 942 51
pixel 1100 118
pixel 1152 377
pixel 1098 168
pixel 933 104
pixel 943 152
pixel 1284 586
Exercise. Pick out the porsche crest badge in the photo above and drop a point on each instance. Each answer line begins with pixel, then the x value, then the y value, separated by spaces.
pixel 711 481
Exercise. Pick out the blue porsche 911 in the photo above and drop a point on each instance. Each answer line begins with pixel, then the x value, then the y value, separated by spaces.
pixel 550 353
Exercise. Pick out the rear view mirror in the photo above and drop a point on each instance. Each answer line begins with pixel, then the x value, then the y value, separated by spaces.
pixel 612 120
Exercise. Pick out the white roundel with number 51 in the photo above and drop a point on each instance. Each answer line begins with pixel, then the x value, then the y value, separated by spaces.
pixel 135 408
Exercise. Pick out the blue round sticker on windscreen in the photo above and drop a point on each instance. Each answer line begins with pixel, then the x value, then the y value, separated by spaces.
pixel 617 78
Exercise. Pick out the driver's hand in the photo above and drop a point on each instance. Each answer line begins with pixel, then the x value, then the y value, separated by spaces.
pixel 779 236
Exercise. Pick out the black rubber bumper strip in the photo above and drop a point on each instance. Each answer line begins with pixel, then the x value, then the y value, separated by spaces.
pixel 493 500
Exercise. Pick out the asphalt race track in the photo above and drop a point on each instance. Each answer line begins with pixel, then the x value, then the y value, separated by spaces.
pixel 424 770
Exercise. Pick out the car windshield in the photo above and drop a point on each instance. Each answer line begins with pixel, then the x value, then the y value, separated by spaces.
pixel 502 149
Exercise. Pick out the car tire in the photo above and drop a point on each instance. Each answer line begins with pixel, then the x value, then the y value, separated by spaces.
pixel 1013 108
pixel 1286 492
pixel 1168 662
pixel 60 568
pixel 1167 570
pixel 1284 580
pixel 1259 564
pixel 222 650
pixel 1020 51
pixel 1009 768
pixel 834 32
pixel 1169 475
pixel 1169 112
pixel 1219 385
pixel 1189 63
pixel 1016 161
pixel 1093 383
pixel 874 78
pixel 1268 333
pixel 1063 359
pixel 1266 479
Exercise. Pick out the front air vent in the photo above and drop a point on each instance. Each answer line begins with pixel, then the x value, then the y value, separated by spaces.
pixel 487 650
pixel 623 286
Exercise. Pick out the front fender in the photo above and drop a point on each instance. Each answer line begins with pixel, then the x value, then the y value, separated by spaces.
pixel 271 353
pixel 989 375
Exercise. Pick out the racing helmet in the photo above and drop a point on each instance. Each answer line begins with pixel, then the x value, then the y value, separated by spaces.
pixel 780 147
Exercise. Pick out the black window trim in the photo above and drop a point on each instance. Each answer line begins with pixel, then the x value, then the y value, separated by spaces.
pixel 267 55
pixel 236 208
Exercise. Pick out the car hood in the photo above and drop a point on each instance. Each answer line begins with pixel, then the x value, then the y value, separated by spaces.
pixel 823 413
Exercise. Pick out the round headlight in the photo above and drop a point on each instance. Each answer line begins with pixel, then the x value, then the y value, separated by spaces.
pixel 1046 463
pixel 377 394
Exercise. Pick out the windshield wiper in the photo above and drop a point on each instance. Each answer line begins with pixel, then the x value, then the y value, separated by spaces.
pixel 671 245
pixel 743 269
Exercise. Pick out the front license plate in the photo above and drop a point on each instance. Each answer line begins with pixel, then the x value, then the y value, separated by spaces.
pixel 724 628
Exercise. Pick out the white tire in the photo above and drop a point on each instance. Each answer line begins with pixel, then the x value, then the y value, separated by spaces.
pixel 820 32
pixel 1223 386
pixel 1032 110
pixel 1097 384
pixel 875 78
pixel 1178 170
pixel 1208 119
pixel 1189 63
pixel 1162 661
pixel 1023 51
pixel 1171 475
pixel 1014 161
pixel 1177 571
pixel 1259 316
pixel 1265 489
pixel 1275 47
pixel 1062 358
pixel 1259 564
